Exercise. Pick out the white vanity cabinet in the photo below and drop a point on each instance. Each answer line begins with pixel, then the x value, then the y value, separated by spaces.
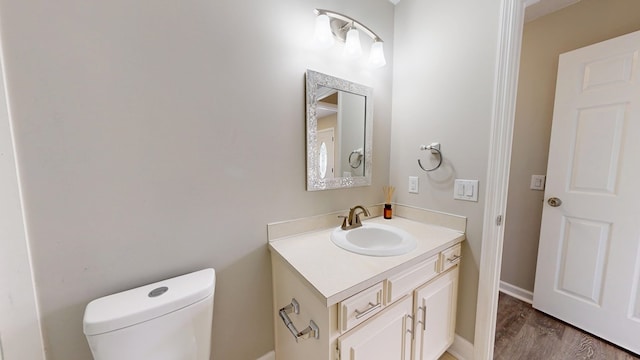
pixel 410 314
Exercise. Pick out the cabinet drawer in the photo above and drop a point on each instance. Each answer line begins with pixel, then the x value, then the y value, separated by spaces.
pixel 451 257
pixel 360 307
pixel 405 282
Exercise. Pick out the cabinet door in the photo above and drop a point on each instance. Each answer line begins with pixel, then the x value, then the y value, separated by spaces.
pixel 435 309
pixel 385 336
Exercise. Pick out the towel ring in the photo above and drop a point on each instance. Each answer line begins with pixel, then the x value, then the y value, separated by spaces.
pixel 435 149
pixel 359 158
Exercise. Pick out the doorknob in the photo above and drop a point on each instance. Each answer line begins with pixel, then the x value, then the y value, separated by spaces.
pixel 554 201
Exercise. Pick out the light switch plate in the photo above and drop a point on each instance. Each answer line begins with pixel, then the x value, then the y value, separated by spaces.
pixel 465 190
pixel 413 184
pixel 537 182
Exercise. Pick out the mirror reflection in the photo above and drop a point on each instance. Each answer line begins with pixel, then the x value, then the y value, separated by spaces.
pixel 338 133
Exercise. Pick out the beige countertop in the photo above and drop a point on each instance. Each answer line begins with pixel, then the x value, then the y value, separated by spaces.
pixel 335 273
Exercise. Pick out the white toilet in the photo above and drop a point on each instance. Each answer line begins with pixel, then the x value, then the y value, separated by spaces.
pixel 167 320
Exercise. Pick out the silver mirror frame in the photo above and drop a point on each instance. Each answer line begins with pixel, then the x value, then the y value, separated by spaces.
pixel 314 181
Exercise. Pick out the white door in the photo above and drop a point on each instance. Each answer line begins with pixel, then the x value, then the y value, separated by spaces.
pixel 435 309
pixel 385 336
pixel 326 153
pixel 588 271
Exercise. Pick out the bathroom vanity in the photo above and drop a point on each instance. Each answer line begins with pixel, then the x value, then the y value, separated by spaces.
pixel 330 303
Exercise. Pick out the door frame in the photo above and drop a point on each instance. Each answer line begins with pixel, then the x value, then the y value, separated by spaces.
pixel 20 328
pixel 502 123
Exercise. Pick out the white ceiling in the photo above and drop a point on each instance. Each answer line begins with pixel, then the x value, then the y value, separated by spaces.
pixel 538 8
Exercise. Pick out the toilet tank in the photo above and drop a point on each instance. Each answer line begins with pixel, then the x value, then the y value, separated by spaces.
pixel 166 320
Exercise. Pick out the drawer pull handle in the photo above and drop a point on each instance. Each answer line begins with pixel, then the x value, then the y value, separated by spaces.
pixel 424 317
pixel 453 259
pixel 311 331
pixel 410 331
pixel 372 307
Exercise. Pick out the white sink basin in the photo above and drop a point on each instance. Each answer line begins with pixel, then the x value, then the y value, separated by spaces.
pixel 375 240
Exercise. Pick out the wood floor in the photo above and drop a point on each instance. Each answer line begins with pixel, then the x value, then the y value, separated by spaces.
pixel 447 356
pixel 525 333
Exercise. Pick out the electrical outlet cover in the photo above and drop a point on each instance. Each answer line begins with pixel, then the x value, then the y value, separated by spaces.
pixel 413 184
pixel 465 190
pixel 537 182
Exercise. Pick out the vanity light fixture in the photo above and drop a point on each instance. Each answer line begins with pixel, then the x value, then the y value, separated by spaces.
pixel 323 37
pixel 330 24
pixel 352 46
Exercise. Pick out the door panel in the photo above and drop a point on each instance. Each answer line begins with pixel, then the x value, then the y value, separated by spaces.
pixel 582 259
pixel 596 153
pixel 435 311
pixel 385 336
pixel 609 71
pixel 588 269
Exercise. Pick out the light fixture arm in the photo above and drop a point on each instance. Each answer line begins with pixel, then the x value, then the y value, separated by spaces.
pixel 341 23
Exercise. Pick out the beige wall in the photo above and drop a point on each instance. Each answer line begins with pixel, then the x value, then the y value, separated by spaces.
pixel 544 39
pixel 443 92
pixel 156 138
pixel 327 122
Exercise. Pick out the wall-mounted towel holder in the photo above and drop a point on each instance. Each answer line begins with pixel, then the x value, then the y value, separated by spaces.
pixel 435 150
pixel 311 331
pixel 359 154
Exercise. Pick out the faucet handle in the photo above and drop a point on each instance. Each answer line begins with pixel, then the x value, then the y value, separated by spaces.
pixel 344 221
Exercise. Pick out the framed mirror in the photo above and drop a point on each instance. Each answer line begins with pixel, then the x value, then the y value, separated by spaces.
pixel 339 132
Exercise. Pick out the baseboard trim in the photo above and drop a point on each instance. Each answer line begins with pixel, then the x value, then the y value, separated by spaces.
pixel 516 292
pixel 461 348
pixel 271 355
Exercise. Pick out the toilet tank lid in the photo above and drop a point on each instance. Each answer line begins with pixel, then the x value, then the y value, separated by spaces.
pixel 147 302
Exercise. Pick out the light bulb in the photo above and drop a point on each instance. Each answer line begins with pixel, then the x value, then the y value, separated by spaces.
pixel 376 55
pixel 323 37
pixel 352 47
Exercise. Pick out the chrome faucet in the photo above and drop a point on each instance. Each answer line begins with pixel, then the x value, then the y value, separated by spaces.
pixel 349 222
